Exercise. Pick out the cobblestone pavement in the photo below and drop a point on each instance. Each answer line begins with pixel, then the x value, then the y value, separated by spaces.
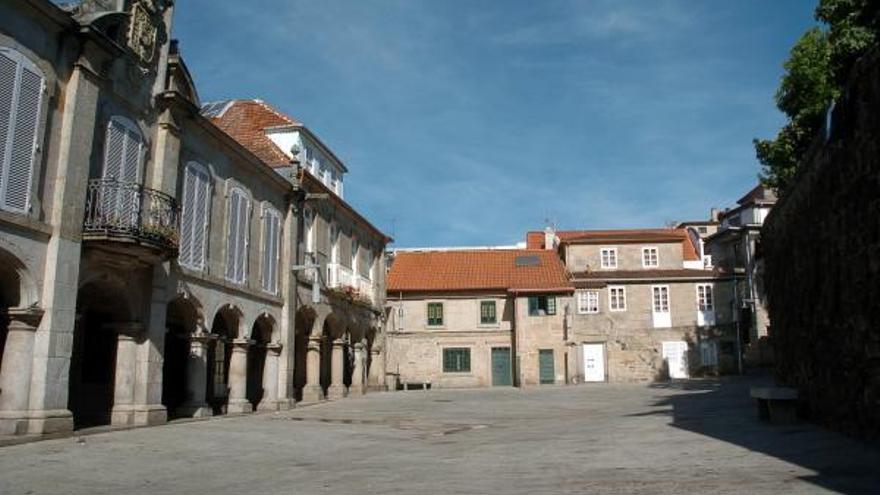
pixel 701 437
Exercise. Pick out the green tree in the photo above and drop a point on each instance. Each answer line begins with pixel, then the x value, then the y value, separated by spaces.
pixel 815 74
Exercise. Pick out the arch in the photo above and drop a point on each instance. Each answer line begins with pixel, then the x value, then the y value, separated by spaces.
pixel 18 288
pixel 304 323
pixel 226 326
pixel 104 316
pixel 261 337
pixel 183 320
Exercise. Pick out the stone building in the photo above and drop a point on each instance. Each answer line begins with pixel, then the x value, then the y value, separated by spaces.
pixel 338 327
pixel 476 317
pixel 153 265
pixel 644 306
pixel 734 248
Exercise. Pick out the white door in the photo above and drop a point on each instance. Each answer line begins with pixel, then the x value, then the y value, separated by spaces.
pixel 594 363
pixel 675 356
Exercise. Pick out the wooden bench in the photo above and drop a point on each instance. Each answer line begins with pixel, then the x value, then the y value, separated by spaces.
pixel 776 404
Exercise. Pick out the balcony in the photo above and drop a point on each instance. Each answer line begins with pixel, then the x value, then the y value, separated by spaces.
pixel 341 279
pixel 126 215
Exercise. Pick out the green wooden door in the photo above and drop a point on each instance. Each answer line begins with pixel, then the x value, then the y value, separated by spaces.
pixel 546 366
pixel 501 367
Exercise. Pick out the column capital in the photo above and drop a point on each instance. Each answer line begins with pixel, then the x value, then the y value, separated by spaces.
pixel 274 348
pixel 24 318
pixel 338 342
pixel 241 343
pixel 359 346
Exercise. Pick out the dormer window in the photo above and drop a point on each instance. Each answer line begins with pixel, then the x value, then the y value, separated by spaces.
pixel 608 258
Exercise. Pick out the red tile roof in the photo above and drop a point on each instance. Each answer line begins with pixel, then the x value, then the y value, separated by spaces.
pixel 623 275
pixel 515 270
pixel 247 120
pixel 535 240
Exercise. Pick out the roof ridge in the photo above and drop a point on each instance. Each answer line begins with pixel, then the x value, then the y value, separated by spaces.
pixel 290 120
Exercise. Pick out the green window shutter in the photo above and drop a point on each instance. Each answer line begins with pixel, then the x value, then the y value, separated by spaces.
pixel 551 305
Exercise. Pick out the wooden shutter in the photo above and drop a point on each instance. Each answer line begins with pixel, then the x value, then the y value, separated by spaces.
pixel 271 230
pixel 233 232
pixel 114 150
pixel 201 218
pixel 187 217
pixel 194 216
pixel 243 238
pixel 21 96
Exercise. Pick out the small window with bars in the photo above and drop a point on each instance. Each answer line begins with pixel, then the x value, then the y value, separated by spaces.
pixel 457 360
pixel 435 314
pixel 542 305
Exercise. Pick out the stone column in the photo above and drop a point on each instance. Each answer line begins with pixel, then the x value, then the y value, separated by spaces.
pixel 149 409
pixel 357 370
pixel 238 402
pixel 197 377
pixel 376 375
pixel 337 388
pixel 123 387
pixel 269 401
pixel 312 391
pixel 15 373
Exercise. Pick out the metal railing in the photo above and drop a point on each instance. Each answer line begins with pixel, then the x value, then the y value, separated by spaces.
pixel 340 277
pixel 130 210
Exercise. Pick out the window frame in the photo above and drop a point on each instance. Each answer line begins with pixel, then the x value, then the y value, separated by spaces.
pixel 428 318
pixel 708 295
pixel 612 252
pixel 494 305
pixel 665 297
pixel 620 298
pixel 646 250
pixel 590 296
pixel 459 368
pixel 535 309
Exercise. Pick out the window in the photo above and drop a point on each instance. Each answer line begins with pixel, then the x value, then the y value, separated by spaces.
pixel 709 352
pixel 609 257
pixel 271 248
pixel 650 257
pixel 587 302
pixel 400 314
pixel 194 216
pixel 21 97
pixel 368 265
pixel 702 230
pixel 661 298
pixel 334 244
pixel 435 314
pixel 238 227
pixel 542 305
pixel 218 369
pixel 456 360
pixel 487 313
pixel 705 300
pixel 123 152
pixel 617 298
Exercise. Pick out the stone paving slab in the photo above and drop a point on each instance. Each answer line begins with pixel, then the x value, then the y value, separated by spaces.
pixel 702 437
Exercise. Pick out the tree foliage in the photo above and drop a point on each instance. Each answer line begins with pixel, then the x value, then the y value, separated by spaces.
pixel 815 74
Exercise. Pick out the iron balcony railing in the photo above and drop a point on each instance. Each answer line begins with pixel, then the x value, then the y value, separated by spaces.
pixel 130 211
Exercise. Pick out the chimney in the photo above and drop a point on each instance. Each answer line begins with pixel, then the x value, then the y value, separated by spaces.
pixel 714 214
pixel 549 238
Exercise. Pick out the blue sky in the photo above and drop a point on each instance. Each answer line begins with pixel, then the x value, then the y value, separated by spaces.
pixel 468 123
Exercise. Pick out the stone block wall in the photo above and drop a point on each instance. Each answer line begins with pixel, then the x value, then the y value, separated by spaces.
pixel 821 246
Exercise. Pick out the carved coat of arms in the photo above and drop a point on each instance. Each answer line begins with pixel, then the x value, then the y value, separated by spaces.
pixel 142 30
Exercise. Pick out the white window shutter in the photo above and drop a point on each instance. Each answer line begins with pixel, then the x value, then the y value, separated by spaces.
pixel 233 230
pixel 114 150
pixel 200 221
pixel 187 217
pixel 244 239
pixel 21 96
pixel 131 164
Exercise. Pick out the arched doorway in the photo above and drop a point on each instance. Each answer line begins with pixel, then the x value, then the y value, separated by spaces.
pixel 224 330
pixel 261 336
pixel 103 324
pixel 180 323
pixel 303 322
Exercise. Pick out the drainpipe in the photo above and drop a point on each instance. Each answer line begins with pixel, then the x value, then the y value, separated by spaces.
pixel 515 344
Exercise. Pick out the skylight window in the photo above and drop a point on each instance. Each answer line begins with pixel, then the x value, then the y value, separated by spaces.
pixel 215 109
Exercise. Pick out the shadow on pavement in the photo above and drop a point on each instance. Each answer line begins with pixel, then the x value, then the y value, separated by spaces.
pixel 722 409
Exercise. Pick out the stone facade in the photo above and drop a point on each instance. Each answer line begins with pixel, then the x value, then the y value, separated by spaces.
pixel 155 264
pixel 820 247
